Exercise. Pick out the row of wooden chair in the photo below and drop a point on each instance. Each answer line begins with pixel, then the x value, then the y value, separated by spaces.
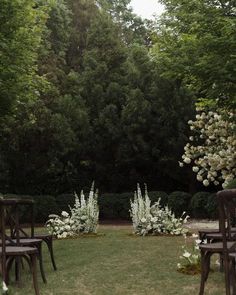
pixel 17 244
pixel 221 241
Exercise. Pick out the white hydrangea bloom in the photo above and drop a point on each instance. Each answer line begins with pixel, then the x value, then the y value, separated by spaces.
pixel 213 147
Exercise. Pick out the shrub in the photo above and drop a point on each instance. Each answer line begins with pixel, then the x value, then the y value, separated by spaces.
pixel 212 206
pixel 212 147
pixel 153 219
pixel 198 205
pixel 231 184
pixel 44 206
pixel 114 206
pixel 65 200
pixel 179 201
pixel 159 195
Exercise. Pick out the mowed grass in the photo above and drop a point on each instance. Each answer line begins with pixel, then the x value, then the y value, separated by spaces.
pixel 118 264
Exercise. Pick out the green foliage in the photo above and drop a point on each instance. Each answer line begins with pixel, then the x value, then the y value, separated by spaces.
pixel 155 196
pixel 194 45
pixel 65 200
pixel 199 205
pixel 35 143
pixel 99 103
pixel 134 28
pixel 179 201
pixel 231 184
pixel 21 26
pixel 44 205
pixel 212 207
pixel 114 206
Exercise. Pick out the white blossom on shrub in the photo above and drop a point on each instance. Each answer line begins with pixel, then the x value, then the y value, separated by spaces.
pixel 153 219
pixel 212 150
pixel 83 217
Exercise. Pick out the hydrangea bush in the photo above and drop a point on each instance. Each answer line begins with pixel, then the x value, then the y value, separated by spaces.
pixel 153 219
pixel 212 150
pixel 83 217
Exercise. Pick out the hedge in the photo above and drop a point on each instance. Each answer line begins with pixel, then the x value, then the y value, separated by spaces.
pixel 179 202
pixel 117 206
pixel 199 203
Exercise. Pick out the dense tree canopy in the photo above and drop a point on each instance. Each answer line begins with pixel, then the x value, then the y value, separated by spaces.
pixel 197 44
pixel 90 91
pixel 21 26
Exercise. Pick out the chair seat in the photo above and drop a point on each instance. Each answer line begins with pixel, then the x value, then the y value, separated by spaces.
pixel 28 241
pixel 209 230
pixel 42 236
pixel 216 247
pixel 218 236
pixel 15 251
pixel 232 256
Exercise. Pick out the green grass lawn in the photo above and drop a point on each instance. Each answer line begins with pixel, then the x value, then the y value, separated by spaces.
pixel 119 264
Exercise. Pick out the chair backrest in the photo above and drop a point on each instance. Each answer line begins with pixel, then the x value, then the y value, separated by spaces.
pixel 13 218
pixel 227 213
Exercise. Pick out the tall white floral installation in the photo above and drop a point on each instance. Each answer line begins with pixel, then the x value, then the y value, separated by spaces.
pixel 82 219
pixel 85 213
pixel 212 147
pixel 152 219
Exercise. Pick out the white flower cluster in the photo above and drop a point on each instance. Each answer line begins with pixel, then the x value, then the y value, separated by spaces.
pixel 153 219
pixel 4 288
pixel 191 257
pixel 83 218
pixel 212 150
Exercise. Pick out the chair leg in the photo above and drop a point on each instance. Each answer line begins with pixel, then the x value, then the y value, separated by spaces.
pixel 40 257
pixel 227 276
pixel 221 263
pixel 205 268
pixel 48 241
pixel 233 276
pixel 9 263
pixel 202 285
pixel 34 273
pixel 17 270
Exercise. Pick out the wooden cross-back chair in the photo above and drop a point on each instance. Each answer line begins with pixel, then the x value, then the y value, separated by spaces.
pixel 45 237
pixel 227 211
pixel 11 253
pixel 12 218
pixel 220 242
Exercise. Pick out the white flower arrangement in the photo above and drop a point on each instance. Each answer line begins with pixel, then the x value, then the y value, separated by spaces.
pixel 83 217
pixel 212 150
pixel 153 219
pixel 191 257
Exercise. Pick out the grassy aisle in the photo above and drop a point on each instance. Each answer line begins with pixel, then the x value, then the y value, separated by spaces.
pixel 119 264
